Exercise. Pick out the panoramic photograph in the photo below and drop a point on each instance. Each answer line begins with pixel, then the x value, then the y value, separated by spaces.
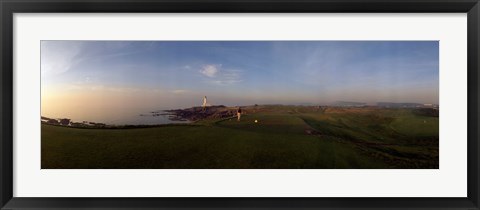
pixel 239 104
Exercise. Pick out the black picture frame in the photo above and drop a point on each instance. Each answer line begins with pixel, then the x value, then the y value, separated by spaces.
pixel 9 7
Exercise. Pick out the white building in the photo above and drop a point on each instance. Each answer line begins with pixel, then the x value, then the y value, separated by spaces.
pixel 205 103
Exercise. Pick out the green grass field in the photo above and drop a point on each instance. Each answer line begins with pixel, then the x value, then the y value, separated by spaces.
pixel 287 137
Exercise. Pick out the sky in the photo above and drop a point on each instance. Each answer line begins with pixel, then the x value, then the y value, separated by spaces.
pixel 91 78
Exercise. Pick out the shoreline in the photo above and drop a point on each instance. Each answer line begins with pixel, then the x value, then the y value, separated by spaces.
pixel 113 127
pixel 190 116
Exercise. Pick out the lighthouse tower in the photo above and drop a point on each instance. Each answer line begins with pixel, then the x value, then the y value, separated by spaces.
pixel 204 102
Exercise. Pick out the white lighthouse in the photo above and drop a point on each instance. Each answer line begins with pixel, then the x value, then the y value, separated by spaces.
pixel 204 102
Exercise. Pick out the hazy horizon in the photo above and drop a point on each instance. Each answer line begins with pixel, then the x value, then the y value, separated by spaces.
pixel 96 80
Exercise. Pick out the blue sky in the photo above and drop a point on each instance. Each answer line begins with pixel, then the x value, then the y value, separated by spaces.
pixel 243 72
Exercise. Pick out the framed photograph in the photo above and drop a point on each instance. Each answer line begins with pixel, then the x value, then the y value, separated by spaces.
pixel 239 104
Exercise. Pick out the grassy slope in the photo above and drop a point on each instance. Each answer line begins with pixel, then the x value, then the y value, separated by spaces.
pixel 278 140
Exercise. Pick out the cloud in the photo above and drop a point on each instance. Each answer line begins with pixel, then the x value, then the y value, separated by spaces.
pixel 101 87
pixel 58 57
pixel 224 82
pixel 210 70
pixel 217 75
pixel 179 91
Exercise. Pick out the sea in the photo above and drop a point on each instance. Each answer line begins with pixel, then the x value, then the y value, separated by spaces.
pixel 147 118
pixel 124 118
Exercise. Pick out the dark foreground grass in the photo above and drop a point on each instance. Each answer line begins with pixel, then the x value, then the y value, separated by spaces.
pixel 289 139
pixel 192 147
